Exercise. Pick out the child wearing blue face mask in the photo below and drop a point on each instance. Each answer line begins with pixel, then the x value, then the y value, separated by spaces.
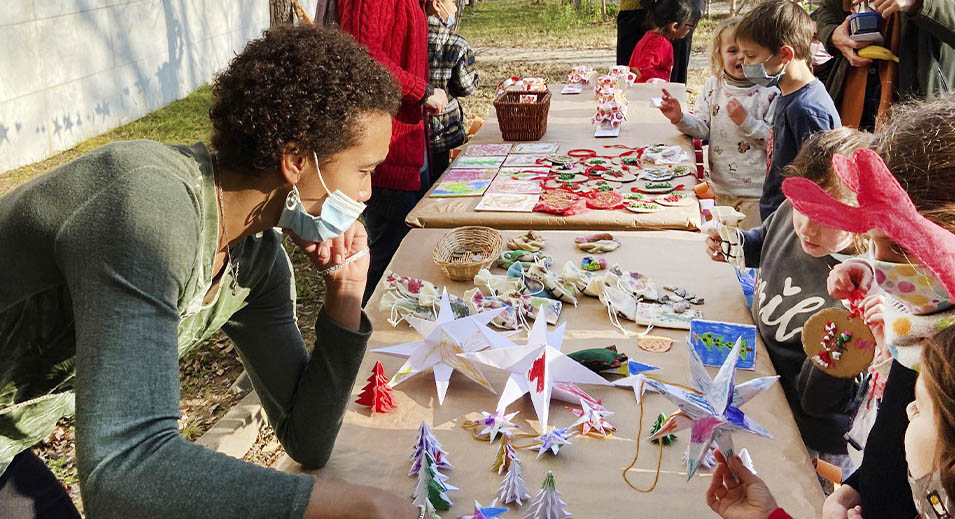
pixel 774 39
pixel 451 62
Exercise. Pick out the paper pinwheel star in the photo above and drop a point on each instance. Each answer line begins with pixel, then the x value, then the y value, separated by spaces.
pixel 444 339
pixel 497 423
pixel 535 368
pixel 591 417
pixel 713 415
pixel 484 512
pixel 553 441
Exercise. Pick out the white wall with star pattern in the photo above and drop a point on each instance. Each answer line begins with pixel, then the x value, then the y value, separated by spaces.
pixel 72 69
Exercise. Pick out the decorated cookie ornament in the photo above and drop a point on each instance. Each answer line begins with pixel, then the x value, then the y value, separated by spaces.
pixel 838 342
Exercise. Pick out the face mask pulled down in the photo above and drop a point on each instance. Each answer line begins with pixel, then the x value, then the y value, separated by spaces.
pixel 339 212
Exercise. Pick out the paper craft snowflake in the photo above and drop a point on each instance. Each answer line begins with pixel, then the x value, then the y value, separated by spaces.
pixel 713 415
pixel 444 339
pixel 535 368
pixel 591 417
pixel 547 504
pixel 484 512
pixel 553 441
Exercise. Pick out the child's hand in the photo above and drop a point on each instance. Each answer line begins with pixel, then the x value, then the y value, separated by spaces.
pixel 873 310
pixel 671 107
pixel 713 249
pixel 744 496
pixel 854 513
pixel 848 277
pixel 736 112
pixel 841 502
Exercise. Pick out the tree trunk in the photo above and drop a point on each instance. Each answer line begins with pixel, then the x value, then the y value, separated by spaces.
pixel 280 12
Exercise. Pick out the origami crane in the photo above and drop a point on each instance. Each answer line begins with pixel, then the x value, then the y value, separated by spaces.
pixel 536 368
pixel 713 415
pixel 444 339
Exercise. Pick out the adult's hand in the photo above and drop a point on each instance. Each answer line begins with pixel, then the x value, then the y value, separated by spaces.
pixel 671 108
pixel 337 499
pixel 847 46
pixel 744 496
pixel 840 502
pixel 887 7
pixel 437 102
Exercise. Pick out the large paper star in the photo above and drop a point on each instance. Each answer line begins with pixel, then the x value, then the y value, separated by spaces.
pixel 535 368
pixel 488 512
pixel 636 379
pixel 444 339
pixel 497 423
pixel 713 415
pixel 591 417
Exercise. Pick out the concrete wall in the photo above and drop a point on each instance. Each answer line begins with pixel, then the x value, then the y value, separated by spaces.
pixel 72 69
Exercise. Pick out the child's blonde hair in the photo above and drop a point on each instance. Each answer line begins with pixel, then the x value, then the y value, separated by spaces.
pixel 716 57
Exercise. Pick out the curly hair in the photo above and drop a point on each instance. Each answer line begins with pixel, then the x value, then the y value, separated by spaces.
pixel 304 86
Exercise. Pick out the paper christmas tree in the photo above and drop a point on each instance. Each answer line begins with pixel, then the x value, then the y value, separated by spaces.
pixel 376 394
pixel 432 487
pixel 504 456
pixel 547 504
pixel 512 486
pixel 657 425
pixel 427 443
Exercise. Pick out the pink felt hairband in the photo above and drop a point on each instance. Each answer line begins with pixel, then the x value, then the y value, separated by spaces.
pixel 883 205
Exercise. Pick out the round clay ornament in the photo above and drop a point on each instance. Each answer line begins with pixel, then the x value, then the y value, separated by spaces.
pixel 602 185
pixel 657 187
pixel 655 174
pixel 558 160
pixel 637 206
pixel 654 343
pixel 598 162
pixel 680 171
pixel 557 201
pixel 619 175
pixel 605 200
pixel 674 199
pixel 840 345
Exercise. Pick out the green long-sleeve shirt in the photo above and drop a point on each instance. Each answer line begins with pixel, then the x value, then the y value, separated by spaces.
pixel 104 265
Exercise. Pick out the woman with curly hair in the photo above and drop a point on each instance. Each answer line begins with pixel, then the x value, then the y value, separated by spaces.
pixel 120 262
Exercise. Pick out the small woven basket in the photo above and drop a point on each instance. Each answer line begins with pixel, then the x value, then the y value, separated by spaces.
pixel 464 251
pixel 522 121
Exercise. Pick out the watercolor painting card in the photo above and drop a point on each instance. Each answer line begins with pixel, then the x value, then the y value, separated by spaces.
pixel 521 161
pixel 507 202
pixel 536 148
pixel 516 187
pixel 528 173
pixel 487 150
pixel 663 316
pixel 465 175
pixel 713 341
pixel 469 162
pixel 460 188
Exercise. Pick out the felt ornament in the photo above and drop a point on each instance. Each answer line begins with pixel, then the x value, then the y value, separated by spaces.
pixel 376 394
pixel 513 489
pixel 882 204
pixel 547 504
pixel 637 206
pixel 605 200
pixel 600 359
pixel 505 453
pixel 593 263
pixel 838 342
pixel 654 343
pixel 597 243
pixel 552 441
pixel 531 241
pixel 591 417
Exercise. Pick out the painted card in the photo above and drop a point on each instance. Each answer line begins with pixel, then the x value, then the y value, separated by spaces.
pixel 469 162
pixel 507 202
pixel 487 150
pixel 528 173
pixel 517 187
pixel 459 175
pixel 539 148
pixel 460 188
pixel 663 316
pixel 520 161
pixel 713 341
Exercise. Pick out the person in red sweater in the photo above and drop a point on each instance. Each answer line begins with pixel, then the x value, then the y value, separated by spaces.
pixel 396 35
pixel 669 20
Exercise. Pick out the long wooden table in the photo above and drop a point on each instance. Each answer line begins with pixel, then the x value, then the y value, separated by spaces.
pixel 569 124
pixel 374 450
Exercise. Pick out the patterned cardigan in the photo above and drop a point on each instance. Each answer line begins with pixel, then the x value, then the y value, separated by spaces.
pixel 451 62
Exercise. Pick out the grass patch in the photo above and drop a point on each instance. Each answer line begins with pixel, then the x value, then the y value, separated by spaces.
pixel 539 23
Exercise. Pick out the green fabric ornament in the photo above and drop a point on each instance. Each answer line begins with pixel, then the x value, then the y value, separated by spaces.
pixel 600 359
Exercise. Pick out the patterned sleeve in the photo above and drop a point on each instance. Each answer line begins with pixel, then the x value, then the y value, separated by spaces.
pixel 697 124
pixel 464 76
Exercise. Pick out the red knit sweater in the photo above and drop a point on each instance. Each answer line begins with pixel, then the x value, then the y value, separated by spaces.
pixel 653 56
pixel 396 34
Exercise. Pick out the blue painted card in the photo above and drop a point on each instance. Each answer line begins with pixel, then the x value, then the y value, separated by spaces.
pixel 713 341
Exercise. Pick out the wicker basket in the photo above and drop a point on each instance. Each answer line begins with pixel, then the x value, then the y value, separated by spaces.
pixel 464 251
pixel 522 121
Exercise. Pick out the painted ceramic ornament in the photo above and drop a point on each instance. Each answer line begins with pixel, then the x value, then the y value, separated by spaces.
pixel 675 199
pixel 597 243
pixel 838 342
pixel 605 200
pixel 531 241
pixel 593 263
pixel 642 207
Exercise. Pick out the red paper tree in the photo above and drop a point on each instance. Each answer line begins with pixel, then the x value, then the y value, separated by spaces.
pixel 376 394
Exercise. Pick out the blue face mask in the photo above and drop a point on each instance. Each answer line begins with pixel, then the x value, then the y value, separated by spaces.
pixel 450 21
pixel 758 75
pixel 339 212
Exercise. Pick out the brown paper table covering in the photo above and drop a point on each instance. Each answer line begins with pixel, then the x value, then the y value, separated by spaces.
pixel 374 450
pixel 569 125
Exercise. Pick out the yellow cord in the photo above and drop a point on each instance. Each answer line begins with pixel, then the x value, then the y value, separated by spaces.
pixel 636 455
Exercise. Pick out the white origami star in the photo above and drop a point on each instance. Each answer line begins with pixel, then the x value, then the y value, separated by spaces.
pixel 553 441
pixel 444 339
pixel 636 378
pixel 497 423
pixel 535 368
pixel 713 415
pixel 591 416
